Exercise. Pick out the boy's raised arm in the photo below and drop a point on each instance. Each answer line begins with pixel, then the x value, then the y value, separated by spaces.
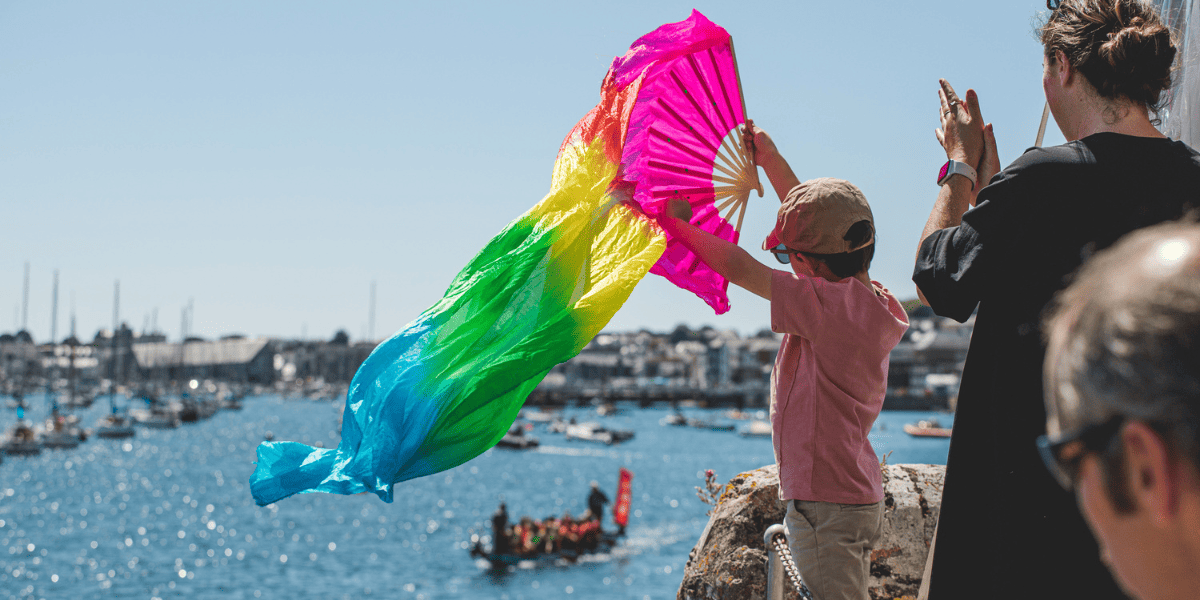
pixel 731 261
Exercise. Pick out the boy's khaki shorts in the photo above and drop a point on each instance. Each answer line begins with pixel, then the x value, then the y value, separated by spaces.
pixel 831 544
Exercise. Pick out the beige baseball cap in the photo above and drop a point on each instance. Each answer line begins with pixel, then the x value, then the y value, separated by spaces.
pixel 816 215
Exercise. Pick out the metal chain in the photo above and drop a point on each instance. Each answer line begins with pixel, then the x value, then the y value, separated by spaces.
pixel 789 565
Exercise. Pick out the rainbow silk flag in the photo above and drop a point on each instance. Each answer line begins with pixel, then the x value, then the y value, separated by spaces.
pixel 449 385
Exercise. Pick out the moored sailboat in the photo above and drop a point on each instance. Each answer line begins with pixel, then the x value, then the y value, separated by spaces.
pixel 115 425
pixel 61 430
pixel 21 439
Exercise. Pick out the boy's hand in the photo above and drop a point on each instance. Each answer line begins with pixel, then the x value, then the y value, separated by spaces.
pixel 679 209
pixel 767 156
pixel 759 143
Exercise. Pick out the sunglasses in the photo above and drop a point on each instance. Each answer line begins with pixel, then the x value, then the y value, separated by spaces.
pixel 1093 438
pixel 781 253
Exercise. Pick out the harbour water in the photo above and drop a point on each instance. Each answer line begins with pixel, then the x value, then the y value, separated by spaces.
pixel 168 513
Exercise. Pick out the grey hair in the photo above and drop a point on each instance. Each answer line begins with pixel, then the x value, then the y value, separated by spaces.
pixel 1124 337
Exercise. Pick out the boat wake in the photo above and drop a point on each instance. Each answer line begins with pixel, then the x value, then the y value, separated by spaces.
pixel 561 451
pixel 641 540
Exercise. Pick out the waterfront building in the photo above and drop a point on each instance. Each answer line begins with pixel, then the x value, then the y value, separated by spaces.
pixel 720 366
pixel 18 364
pixel 234 359
pixel 705 365
pixel 925 367
pixel 335 361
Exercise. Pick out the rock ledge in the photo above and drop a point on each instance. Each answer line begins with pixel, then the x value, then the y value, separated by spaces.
pixel 729 560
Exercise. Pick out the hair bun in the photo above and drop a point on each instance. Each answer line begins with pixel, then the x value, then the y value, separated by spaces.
pixel 1136 41
pixel 1138 58
pixel 1120 46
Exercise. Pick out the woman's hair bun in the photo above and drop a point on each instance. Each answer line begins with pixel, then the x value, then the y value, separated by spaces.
pixel 1122 47
pixel 1139 58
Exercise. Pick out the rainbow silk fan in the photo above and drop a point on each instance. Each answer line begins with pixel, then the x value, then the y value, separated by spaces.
pixel 448 386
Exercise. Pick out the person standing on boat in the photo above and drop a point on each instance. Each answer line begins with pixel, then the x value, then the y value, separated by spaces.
pixel 1005 245
pixel 829 379
pixel 500 532
pixel 1123 406
pixel 596 501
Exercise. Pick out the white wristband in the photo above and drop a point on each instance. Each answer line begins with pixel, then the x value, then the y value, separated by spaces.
pixel 953 167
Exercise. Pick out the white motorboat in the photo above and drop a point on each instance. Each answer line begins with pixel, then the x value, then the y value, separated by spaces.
pixel 756 428
pixel 595 432
pixel 675 418
pixel 537 416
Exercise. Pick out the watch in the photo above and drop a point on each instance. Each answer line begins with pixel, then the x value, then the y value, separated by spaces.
pixel 953 167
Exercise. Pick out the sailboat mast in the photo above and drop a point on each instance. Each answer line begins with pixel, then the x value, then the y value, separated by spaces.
pixel 371 315
pixel 54 311
pixel 71 348
pixel 25 301
pixel 116 357
pixel 53 346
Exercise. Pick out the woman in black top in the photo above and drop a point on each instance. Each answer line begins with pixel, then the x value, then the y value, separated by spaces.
pixel 1007 530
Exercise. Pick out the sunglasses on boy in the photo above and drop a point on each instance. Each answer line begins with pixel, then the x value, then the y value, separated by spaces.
pixel 781 253
pixel 1063 454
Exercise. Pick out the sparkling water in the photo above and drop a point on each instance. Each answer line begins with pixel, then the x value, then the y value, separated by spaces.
pixel 168 513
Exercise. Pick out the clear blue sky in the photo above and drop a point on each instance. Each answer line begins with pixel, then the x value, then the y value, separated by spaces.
pixel 271 159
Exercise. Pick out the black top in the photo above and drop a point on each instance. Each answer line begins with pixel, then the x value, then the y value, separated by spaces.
pixel 1006 528
pixel 596 501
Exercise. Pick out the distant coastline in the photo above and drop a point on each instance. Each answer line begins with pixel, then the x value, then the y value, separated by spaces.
pixel 697 367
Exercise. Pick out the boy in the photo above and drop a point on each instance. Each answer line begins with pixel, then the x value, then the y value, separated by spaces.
pixel 831 374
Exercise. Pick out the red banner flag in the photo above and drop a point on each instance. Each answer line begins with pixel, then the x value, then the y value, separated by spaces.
pixel 624 498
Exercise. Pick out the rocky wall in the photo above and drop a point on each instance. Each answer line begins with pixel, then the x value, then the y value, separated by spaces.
pixel 730 561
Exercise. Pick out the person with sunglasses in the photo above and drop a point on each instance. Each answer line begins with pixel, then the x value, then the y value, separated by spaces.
pixel 998 244
pixel 830 376
pixel 1122 381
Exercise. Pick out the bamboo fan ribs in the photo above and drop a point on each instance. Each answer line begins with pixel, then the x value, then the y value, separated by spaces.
pixel 707 162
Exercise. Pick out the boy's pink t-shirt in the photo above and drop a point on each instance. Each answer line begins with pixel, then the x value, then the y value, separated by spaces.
pixel 828 384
